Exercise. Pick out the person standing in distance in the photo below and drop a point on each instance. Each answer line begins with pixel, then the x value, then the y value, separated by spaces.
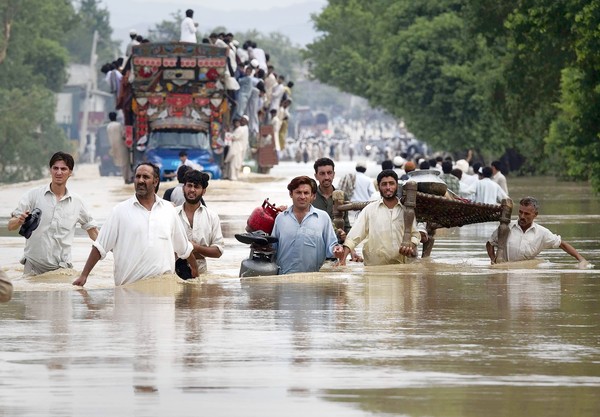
pixel 49 247
pixel 188 28
pixel 143 232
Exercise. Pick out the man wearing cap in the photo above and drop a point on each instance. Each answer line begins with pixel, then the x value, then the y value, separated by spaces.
pixel 382 224
pixel 132 43
pixel 527 239
pixel 49 247
pixel 363 185
pixel 188 28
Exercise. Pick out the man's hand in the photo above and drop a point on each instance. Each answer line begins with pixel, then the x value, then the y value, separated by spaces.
pixel 355 257
pixel 80 281
pixel 408 250
pixel 340 234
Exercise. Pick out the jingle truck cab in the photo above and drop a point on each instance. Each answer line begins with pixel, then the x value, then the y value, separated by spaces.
pixel 177 103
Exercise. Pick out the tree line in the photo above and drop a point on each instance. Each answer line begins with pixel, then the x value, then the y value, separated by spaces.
pixel 516 77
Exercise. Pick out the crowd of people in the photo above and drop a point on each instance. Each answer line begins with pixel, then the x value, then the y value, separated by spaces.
pixel 257 94
pixel 149 235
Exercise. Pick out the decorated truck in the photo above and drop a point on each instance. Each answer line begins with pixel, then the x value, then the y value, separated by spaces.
pixel 178 104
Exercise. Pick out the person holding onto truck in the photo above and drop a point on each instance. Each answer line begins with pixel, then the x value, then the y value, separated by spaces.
pixel 143 232
pixel 49 246
pixel 188 28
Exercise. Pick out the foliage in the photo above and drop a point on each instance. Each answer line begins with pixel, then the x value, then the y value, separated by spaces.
pixel 33 68
pixel 167 30
pixel 517 75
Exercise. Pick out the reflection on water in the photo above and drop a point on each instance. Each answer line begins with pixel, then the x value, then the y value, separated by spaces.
pixel 448 336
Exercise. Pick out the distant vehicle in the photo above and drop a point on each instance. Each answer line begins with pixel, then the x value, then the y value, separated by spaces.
pixel 164 147
pixel 178 104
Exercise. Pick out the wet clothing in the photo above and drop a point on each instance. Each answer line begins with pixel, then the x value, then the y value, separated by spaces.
pixel 383 228
pixel 303 247
pixel 528 244
pixel 206 231
pixel 49 246
pixel 142 241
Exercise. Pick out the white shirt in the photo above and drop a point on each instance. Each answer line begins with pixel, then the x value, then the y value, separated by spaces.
pixel 206 230
pixel 527 245
pixel 177 197
pixel 363 187
pixel 49 246
pixel 188 30
pixel 142 241
pixel 487 191
pixel 384 229
pixel 500 179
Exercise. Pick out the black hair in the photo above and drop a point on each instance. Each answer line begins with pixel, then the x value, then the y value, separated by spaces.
pixel 323 162
pixel 196 177
pixel 447 167
pixel 62 156
pixel 189 13
pixel 181 171
pixel 386 173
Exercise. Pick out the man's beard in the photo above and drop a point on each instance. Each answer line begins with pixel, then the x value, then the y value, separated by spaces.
pixel 194 201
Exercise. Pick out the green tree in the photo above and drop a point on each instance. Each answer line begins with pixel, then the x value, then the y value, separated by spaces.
pixel 32 69
pixel 167 30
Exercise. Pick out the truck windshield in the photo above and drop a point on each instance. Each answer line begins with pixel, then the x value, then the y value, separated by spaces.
pixel 178 139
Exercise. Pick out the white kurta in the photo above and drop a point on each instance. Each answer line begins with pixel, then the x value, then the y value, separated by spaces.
pixel 188 30
pixel 384 229
pixel 142 241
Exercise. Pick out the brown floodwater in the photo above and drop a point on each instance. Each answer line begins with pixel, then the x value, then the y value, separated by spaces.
pixel 446 336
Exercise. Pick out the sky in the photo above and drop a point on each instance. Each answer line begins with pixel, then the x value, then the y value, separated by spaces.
pixel 290 17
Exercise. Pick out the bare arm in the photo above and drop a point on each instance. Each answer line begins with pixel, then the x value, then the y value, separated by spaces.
pixel 341 254
pixel 206 251
pixel 91 262
pixel 92 233
pixel 16 222
pixel 571 251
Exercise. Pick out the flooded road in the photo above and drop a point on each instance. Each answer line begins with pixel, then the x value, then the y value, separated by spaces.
pixel 447 336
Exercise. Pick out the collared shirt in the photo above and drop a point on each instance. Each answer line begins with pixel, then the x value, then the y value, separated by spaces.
pixel 326 204
pixel 143 241
pixel 487 191
pixel 303 247
pixel 528 244
pixel 206 231
pixel 363 188
pixel 384 229
pixel 49 246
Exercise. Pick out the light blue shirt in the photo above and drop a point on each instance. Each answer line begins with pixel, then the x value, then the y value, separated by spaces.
pixel 304 246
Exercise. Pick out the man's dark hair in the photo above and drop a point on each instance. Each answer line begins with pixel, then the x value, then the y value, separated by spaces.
pixel 386 173
pixel 112 116
pixel 301 180
pixel 62 156
pixel 290 84
pixel 196 177
pixel 486 172
pixel 181 171
pixel 183 153
pixel 457 172
pixel 424 165
pixel 497 165
pixel 447 167
pixel 189 13
pixel 387 164
pixel 361 168
pixel 530 201
pixel 323 162
pixel 260 74
pixel 476 167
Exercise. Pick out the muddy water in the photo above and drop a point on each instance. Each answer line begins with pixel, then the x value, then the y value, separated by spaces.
pixel 449 336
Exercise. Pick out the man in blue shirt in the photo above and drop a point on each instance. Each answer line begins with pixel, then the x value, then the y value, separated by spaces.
pixel 306 235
